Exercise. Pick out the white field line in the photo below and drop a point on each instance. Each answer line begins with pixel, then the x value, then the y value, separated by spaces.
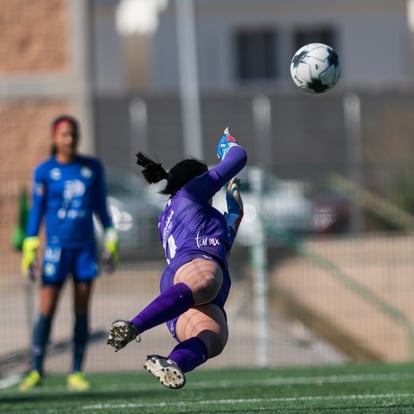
pixel 246 401
pixel 10 381
pixel 271 382
pixel 330 379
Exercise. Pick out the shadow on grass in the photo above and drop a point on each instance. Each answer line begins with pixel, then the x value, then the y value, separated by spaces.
pixel 49 396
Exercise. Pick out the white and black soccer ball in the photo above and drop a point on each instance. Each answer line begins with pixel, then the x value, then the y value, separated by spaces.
pixel 315 68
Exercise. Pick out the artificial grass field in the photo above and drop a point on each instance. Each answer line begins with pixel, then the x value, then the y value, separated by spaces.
pixel 356 389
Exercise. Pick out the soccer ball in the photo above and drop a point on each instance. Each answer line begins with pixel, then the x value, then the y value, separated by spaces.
pixel 315 68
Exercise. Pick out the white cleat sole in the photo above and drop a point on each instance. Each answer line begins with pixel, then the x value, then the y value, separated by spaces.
pixel 167 371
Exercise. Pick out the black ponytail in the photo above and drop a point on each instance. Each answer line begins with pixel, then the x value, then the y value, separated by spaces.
pixel 177 177
pixel 153 172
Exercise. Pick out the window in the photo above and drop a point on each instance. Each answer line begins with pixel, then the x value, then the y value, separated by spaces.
pixel 304 36
pixel 256 55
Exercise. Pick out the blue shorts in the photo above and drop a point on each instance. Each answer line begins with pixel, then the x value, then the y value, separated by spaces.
pixel 167 280
pixel 58 263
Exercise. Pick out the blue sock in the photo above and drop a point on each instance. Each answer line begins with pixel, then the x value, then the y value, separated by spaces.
pixel 169 304
pixel 41 335
pixel 80 339
pixel 189 354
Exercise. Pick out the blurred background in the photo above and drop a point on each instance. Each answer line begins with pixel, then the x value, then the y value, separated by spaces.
pixel 323 268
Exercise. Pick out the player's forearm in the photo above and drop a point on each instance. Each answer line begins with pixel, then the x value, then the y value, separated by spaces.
pixel 35 218
pixel 232 164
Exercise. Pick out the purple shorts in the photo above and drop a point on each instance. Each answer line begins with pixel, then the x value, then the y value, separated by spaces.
pixel 167 280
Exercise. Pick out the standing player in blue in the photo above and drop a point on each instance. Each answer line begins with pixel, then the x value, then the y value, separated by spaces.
pixel 195 285
pixel 67 190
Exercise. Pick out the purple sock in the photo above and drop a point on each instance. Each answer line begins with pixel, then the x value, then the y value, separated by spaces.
pixel 189 354
pixel 169 304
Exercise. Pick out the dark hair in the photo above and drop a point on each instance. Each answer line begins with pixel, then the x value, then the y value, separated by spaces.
pixel 65 118
pixel 177 177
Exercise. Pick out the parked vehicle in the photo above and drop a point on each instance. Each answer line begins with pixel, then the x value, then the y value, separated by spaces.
pixel 282 204
pixel 134 209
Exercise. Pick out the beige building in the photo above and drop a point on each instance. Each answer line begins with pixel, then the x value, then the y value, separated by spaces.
pixel 58 55
pixel 68 56
pixel 245 43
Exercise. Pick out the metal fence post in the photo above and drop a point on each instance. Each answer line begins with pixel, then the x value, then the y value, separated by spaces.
pixel 260 272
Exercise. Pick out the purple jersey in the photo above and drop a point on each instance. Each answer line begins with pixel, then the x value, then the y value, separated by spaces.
pixel 189 224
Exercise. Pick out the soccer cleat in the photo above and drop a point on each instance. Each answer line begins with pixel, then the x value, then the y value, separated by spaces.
pixel 121 334
pixel 31 380
pixel 78 382
pixel 166 370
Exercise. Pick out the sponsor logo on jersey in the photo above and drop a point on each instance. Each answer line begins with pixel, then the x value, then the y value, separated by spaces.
pixel 55 174
pixel 86 172
pixel 207 241
pixel 73 188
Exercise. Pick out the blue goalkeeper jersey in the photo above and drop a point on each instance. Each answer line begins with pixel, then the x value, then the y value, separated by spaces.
pixel 67 196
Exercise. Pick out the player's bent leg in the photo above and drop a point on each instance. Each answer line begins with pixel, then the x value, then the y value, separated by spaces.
pixel 207 322
pixel 189 354
pixel 203 276
pixel 202 332
pixel 172 302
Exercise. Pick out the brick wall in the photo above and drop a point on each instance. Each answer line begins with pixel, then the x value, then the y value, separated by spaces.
pixel 35 42
pixel 34 36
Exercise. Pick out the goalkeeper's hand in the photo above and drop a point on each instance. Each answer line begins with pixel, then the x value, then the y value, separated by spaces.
pixel 29 257
pixel 226 142
pixel 111 250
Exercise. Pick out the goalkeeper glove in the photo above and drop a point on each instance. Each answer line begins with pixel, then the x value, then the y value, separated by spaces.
pixel 111 252
pixel 234 213
pixel 29 258
pixel 226 142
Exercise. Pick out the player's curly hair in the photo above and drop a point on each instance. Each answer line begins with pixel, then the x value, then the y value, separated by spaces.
pixel 176 177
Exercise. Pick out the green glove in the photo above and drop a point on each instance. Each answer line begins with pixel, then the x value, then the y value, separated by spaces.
pixel 111 249
pixel 28 263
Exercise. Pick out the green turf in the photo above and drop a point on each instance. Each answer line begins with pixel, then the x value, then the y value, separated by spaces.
pixel 354 389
